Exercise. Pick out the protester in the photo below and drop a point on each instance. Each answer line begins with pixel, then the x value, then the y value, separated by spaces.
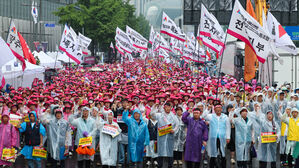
pixel 34 134
pixel 179 138
pixel 138 136
pixel 197 136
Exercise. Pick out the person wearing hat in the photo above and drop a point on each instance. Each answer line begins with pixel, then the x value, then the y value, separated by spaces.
pixel 219 135
pixel 197 137
pixel 244 134
pixel 59 136
pixel 108 144
pixel 8 137
pixel 138 136
pixel 281 104
pixel 264 106
pixel 85 127
pixel 267 150
pixel 165 142
pixel 292 121
pixel 34 133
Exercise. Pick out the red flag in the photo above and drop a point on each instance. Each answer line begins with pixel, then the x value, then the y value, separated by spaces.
pixel 209 55
pixel 26 51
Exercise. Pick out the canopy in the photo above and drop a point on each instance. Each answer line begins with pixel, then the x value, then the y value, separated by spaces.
pixel 47 61
pixel 13 73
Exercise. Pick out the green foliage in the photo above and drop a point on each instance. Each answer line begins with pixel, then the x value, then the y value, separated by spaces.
pixel 99 18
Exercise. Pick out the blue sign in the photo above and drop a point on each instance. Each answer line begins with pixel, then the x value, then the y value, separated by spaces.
pixel 49 24
pixel 293 32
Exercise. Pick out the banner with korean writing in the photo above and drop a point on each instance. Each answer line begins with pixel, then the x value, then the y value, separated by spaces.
pixel 164 130
pixel 246 28
pixel 123 40
pixel 110 130
pixel 84 42
pixel 39 152
pixel 152 35
pixel 8 154
pixel 69 44
pixel 136 39
pixel 86 141
pixel 268 137
pixel 14 44
pixel 14 119
pixel 170 28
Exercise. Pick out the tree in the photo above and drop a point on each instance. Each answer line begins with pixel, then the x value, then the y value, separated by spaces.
pixel 99 18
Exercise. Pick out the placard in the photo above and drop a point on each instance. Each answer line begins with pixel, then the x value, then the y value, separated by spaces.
pixel 268 137
pixel 165 129
pixel 110 130
pixel 14 119
pixel 86 141
pixel 39 152
pixel 8 154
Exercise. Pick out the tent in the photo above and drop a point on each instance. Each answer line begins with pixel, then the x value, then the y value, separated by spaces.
pixel 46 61
pixel 64 58
pixel 14 75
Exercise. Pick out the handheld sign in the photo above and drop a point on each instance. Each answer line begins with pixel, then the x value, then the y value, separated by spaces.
pixel 165 129
pixel 9 155
pixel 268 137
pixel 14 119
pixel 39 152
pixel 87 141
pixel 110 130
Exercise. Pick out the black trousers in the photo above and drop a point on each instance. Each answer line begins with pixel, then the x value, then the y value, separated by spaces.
pixel 192 164
pixel 264 164
pixel 165 160
pixel 87 164
pixel 242 164
pixel 213 160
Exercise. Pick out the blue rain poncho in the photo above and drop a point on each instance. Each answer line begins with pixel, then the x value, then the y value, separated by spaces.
pixel 138 136
pixel 27 150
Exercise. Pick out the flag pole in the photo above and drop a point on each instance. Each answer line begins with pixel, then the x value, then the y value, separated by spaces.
pixel 219 72
pixel 56 59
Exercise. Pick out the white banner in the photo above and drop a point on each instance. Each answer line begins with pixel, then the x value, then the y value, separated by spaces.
pixel 137 39
pixel 170 28
pixel 246 28
pixel 163 54
pixel 164 44
pixel 14 44
pixel 280 36
pixel 69 44
pixel 123 40
pixel 152 35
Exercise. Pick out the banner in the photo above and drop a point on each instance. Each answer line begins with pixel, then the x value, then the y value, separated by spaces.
pixel 268 137
pixel 39 152
pixel 156 42
pixel 280 36
pixel 9 154
pixel 84 42
pixel 110 130
pixel 210 27
pixel 164 44
pixel 137 39
pixel 123 40
pixel 119 49
pixel 152 35
pixel 86 141
pixel 69 45
pixel 14 119
pixel 5 50
pixel 14 44
pixel 164 130
pixel 163 54
pixel 170 28
pixel 246 28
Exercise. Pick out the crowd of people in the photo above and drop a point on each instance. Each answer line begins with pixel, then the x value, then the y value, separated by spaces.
pixel 149 113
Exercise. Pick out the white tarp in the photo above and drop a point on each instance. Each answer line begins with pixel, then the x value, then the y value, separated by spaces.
pixel 47 61
pixel 13 73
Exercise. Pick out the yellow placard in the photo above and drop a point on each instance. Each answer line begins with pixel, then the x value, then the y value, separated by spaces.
pixel 87 141
pixel 164 130
pixel 14 122
pixel 268 137
pixel 8 154
pixel 39 152
pixel 26 119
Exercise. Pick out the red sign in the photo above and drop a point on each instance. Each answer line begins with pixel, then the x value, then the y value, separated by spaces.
pixel 89 60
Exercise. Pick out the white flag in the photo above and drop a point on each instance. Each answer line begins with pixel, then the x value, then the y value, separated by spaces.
pixel 188 49
pixel 69 44
pixel 280 36
pixel 246 28
pixel 163 54
pixel 137 39
pixel 14 44
pixel 119 49
pixel 84 42
pixel 170 28
pixel 209 26
pixel 164 44
pixel 34 12
pixel 123 40
pixel 152 35
pixel 5 52
pixel 156 42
